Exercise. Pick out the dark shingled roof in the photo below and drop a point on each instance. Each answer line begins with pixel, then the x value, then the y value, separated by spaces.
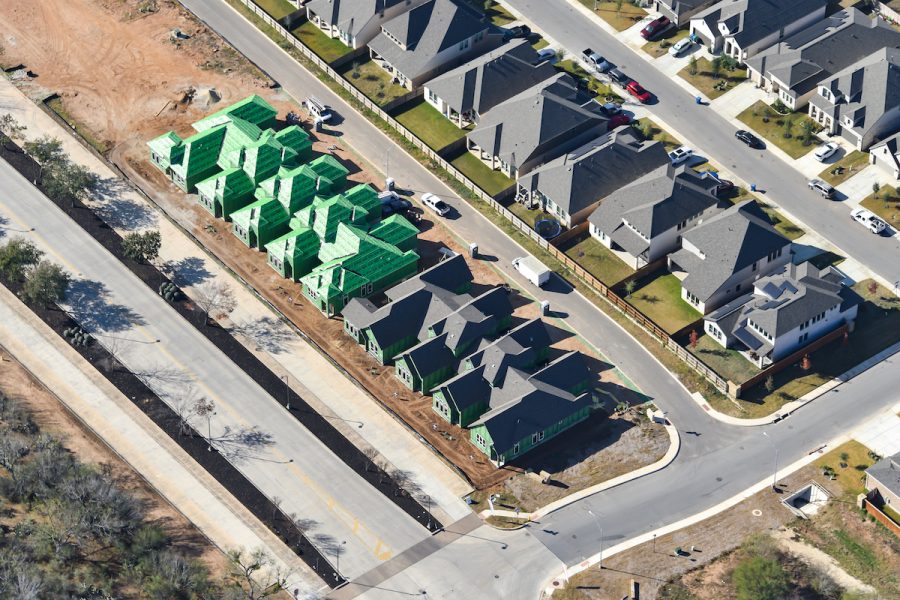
pixel 475 319
pixel 516 349
pixel 488 80
pixel 449 274
pixel 349 15
pixel 429 356
pixel 887 472
pixel 753 20
pixel 729 241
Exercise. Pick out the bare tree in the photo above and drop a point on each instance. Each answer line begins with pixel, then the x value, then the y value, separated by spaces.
pixel 255 576
pixel 215 299
pixel 11 127
pixel 205 409
pixel 371 454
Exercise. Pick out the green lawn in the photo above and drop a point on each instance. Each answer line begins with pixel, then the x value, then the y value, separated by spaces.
pixel 651 131
pixel 661 46
pixel 877 328
pixel 276 8
pixel 622 18
pixel 540 43
pixel 327 48
pixel 774 130
pixel 600 89
pixel 373 81
pixel 709 85
pixel 659 297
pixel 885 204
pixel 858 460
pixel 529 215
pixel 844 169
pixel 492 182
pixel 498 15
pixel 727 362
pixel 785 227
pixel 597 259
pixel 431 126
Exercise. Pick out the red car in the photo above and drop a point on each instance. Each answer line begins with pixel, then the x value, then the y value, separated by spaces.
pixel 619 120
pixel 655 27
pixel 636 90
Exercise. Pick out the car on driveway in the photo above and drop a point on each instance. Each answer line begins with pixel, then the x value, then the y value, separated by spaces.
pixel 596 61
pixel 748 138
pixel 826 151
pixel 619 77
pixel 680 154
pixel 822 187
pixel 546 54
pixel 638 91
pixel 619 120
pixel 611 108
pixel 435 204
pixel 679 47
pixel 867 219
pixel 656 28
pixel 519 31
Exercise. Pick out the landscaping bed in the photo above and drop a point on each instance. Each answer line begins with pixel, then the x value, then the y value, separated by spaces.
pixel 596 259
pixel 765 121
pixel 849 165
pixel 886 204
pixel 659 297
pixel 604 92
pixel 327 48
pixel 707 83
pixel 650 130
pixel 660 47
pixel 428 124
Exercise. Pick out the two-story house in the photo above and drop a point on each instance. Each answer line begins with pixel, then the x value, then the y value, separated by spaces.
pixel 470 90
pixel 355 22
pixel 886 154
pixel 572 185
pixel 883 482
pixel 681 11
pixel 431 39
pixel 862 102
pixel 794 68
pixel 742 28
pixel 783 313
pixel 720 258
pixel 644 221
pixel 536 126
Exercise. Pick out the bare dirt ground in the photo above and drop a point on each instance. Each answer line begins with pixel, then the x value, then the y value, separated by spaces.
pixel 52 417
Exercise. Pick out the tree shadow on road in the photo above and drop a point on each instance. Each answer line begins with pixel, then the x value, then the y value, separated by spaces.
pixel 188 271
pixel 268 333
pixel 119 212
pixel 89 305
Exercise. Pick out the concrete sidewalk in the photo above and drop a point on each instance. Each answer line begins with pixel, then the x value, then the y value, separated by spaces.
pixel 140 443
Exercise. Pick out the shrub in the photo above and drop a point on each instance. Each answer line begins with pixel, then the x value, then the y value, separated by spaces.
pixel 17 257
pixel 758 578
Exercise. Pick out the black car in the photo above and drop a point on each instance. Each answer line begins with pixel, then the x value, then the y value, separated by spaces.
pixel 748 138
pixel 519 31
pixel 619 77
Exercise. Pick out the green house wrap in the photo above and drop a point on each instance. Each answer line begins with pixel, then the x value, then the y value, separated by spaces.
pixel 329 168
pixel 200 158
pixel 397 231
pixel 328 214
pixel 294 254
pixel 252 109
pixel 297 142
pixel 365 197
pixel 166 150
pixel 260 222
pixel 225 192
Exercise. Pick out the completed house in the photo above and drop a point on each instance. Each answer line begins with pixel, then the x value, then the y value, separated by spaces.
pixel 783 313
pixel 883 478
pixel 681 11
pixel 571 186
pixel 886 154
pixel 536 126
pixel 721 258
pixel 355 22
pixel 644 221
pixel 468 91
pixel 430 39
pixel 793 68
pixel 742 28
pixel 861 102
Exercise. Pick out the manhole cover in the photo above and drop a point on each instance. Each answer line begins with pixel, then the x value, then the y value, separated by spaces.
pixel 757 512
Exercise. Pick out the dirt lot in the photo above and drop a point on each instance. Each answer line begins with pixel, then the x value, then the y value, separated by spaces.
pixel 116 68
pixel 706 572
pixel 54 419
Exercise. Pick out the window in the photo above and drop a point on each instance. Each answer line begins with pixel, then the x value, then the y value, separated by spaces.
pixel 479 440
pixel 463 45
pixel 479 36
pixel 516 449
pixel 540 436
pixel 804 337
pixel 754 266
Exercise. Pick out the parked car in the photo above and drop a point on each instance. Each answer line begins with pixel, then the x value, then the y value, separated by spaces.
pixel 867 219
pixel 655 28
pixel 679 47
pixel 400 205
pixel 680 154
pixel 596 61
pixel 638 91
pixel 619 120
pixel 438 206
pixel 519 31
pixel 611 108
pixel 619 77
pixel 317 109
pixel 825 151
pixel 748 138
pixel 817 185
pixel 546 54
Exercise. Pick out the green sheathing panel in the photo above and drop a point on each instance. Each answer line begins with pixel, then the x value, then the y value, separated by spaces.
pixel 201 154
pixel 226 192
pixel 386 355
pixel 330 168
pixel 525 444
pixel 297 140
pixel 471 414
pixel 444 409
pixel 330 286
pixel 166 150
pixel 397 231
pixel 435 378
pixel 365 197
pixel 260 222
pixel 295 190
pixel 293 255
pixel 406 374
pixel 238 136
pixel 328 217
pixel 252 109
pixel 482 439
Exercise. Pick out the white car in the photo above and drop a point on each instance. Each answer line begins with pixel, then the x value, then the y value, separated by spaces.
pixel 825 151
pixel 680 154
pixel 868 220
pixel 434 203
pixel 680 46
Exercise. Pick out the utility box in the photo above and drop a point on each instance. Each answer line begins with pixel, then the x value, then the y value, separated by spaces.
pixel 545 308
pixel 473 250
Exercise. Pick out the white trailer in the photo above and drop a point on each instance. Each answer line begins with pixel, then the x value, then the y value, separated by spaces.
pixel 533 270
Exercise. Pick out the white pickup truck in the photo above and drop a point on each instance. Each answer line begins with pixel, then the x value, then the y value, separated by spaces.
pixel 533 270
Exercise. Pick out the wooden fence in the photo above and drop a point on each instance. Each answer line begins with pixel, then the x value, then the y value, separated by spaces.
pixel 598 286
pixel 881 517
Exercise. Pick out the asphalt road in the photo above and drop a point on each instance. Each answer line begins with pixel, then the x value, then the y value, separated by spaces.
pixel 347 515
pixel 714 138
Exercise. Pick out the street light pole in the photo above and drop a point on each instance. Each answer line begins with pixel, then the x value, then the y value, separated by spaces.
pixel 775 468
pixel 287 392
pixel 600 527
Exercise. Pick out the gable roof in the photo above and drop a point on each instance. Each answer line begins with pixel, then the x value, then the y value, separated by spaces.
pixel 752 20
pixel 655 203
pixel 578 179
pixel 488 80
pixel 891 146
pixel 449 274
pixel 475 319
pixel 728 242
pixel 528 123
pixel 423 32
pixel 516 349
pixel 350 15
pixel 823 49
pixel 887 472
